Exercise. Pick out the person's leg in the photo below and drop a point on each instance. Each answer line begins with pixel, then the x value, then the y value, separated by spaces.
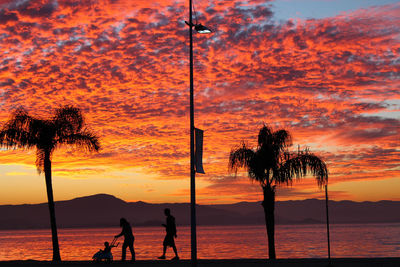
pixel 164 249
pixel 132 249
pixel 162 257
pixel 124 246
pixel 175 250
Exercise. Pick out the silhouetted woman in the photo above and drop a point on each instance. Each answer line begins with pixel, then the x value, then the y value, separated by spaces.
pixel 128 238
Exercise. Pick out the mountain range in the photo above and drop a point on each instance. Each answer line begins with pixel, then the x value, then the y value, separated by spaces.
pixel 104 210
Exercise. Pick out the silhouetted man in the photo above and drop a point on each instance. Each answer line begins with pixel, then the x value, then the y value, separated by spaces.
pixel 170 228
pixel 128 238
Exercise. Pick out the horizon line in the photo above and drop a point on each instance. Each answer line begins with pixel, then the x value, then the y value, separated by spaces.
pixel 199 204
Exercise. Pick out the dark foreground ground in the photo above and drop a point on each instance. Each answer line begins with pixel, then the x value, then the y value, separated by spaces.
pixel 362 262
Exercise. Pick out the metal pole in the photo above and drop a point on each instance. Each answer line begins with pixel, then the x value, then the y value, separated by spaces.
pixel 327 223
pixel 192 171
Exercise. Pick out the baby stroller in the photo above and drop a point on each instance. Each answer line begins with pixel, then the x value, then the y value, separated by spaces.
pixel 105 255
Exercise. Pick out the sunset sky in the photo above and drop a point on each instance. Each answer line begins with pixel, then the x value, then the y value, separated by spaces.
pixel 327 71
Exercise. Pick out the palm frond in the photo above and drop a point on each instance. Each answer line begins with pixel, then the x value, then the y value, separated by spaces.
pixel 281 139
pixel 68 120
pixel 259 167
pixel 240 157
pixel 264 135
pixel 16 131
pixel 272 145
pixel 84 139
pixel 299 165
pixel 22 130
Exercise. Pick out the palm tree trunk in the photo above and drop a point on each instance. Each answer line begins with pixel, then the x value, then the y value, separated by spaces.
pixel 269 212
pixel 50 200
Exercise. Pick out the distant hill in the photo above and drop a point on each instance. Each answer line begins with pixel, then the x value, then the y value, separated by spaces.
pixel 105 211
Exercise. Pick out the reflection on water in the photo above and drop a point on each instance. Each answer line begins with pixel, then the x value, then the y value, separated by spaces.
pixel 214 242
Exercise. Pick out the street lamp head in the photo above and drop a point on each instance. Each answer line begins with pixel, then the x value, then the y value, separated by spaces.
pixel 198 27
pixel 201 28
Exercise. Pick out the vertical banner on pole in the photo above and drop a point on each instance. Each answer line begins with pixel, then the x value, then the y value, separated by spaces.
pixel 199 150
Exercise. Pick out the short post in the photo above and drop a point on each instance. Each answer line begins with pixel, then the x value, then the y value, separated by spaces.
pixel 327 224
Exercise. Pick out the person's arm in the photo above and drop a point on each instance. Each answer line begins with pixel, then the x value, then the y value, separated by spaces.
pixel 122 232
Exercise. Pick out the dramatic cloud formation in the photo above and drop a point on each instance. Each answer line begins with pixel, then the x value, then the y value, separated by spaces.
pixel 333 82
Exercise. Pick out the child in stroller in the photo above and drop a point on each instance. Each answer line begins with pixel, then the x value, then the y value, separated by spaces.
pixel 105 255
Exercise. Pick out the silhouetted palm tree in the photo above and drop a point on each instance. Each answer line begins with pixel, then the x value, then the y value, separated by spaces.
pixel 65 128
pixel 272 164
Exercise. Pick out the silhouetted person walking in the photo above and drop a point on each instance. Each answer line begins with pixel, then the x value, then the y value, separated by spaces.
pixel 128 238
pixel 170 228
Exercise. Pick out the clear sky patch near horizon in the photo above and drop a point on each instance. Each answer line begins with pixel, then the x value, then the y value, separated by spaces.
pixel 327 71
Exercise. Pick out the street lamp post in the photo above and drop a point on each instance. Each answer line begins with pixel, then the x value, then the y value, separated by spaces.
pixel 193 238
pixel 200 29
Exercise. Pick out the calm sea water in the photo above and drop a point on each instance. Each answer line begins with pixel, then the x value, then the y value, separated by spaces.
pixel 214 242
